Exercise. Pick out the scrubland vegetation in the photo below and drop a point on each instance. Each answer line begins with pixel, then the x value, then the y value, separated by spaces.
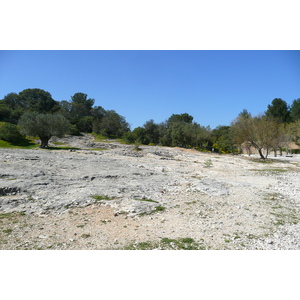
pixel 34 114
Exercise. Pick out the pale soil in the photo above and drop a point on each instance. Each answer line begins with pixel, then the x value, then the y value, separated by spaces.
pixel 220 201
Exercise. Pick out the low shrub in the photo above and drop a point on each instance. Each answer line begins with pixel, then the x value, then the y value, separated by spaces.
pixel 10 133
pixel 295 151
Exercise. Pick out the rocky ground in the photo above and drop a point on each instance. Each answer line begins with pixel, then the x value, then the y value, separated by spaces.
pixel 113 196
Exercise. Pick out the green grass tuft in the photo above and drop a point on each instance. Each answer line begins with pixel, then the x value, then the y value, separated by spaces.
pixel 100 198
pixel 168 244
pixel 148 200
pixel 8 231
pixel 85 235
pixel 159 208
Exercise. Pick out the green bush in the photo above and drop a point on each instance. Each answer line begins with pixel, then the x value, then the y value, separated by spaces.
pixel 10 133
pixel 74 130
pixel 129 137
pixel 4 113
pixel 295 151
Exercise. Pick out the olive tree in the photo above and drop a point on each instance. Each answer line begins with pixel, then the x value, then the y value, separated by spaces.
pixel 44 126
pixel 254 131
pixel 293 132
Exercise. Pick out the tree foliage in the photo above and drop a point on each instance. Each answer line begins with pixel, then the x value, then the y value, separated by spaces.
pixel 36 100
pixel 151 132
pixel 111 125
pixel 244 113
pixel 250 130
pixel 81 106
pixel 180 118
pixel 222 138
pixel 29 100
pixel 180 130
pixel 280 110
pixel 295 110
pixel 293 132
pixel 177 130
pixel 44 126
pixel 4 113
pixel 10 133
pixel 14 101
pixel 260 132
pixel 274 130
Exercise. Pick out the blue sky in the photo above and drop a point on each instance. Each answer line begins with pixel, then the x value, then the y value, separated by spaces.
pixel 212 86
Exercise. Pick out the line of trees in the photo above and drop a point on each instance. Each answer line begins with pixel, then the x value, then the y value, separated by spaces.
pixel 37 114
pixel 272 131
pixel 34 112
pixel 177 130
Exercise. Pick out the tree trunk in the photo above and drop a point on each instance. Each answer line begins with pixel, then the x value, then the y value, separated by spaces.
pixel 249 151
pixel 260 153
pixel 44 141
pixel 275 153
pixel 267 152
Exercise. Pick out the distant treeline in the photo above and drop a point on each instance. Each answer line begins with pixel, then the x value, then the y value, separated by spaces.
pixel 177 130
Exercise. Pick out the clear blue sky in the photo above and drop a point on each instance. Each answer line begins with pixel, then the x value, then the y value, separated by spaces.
pixel 212 86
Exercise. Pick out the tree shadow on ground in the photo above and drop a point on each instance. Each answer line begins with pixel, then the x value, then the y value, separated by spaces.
pixel 61 148
pixel 22 143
